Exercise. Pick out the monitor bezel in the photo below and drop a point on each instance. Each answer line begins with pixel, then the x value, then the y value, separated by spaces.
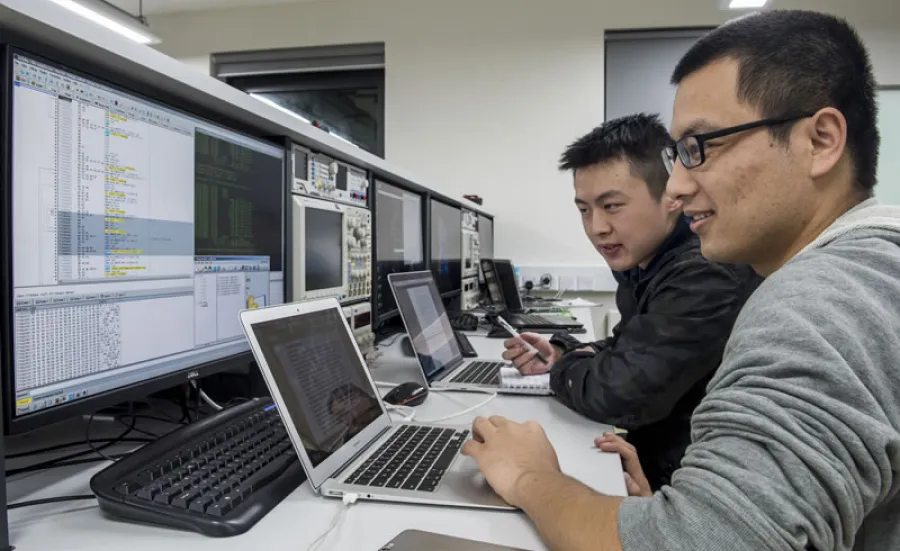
pixel 16 425
pixel 379 318
pixel 429 224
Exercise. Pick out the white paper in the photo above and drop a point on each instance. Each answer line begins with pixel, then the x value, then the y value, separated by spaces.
pixel 511 378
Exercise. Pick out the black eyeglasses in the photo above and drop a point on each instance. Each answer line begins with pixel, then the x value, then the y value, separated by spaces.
pixel 691 150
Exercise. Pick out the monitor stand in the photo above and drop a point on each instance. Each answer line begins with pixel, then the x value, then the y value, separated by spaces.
pixel 407 348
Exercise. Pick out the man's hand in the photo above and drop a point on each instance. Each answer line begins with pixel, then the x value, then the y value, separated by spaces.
pixel 635 481
pixel 507 451
pixel 525 360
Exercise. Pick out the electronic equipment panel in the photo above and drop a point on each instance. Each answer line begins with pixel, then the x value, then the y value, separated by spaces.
pixel 446 246
pixel 318 175
pixel 486 236
pixel 138 233
pixel 359 318
pixel 399 242
pixel 471 244
pixel 332 250
pixel 471 260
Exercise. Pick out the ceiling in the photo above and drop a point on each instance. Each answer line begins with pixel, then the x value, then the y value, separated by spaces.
pixel 153 7
pixel 870 12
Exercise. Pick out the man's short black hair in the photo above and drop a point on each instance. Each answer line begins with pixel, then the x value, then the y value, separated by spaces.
pixel 791 62
pixel 638 139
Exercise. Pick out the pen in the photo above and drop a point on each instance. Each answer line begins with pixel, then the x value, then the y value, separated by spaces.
pixel 509 329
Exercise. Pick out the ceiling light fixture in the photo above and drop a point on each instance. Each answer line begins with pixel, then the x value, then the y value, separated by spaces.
pixel 113 18
pixel 746 4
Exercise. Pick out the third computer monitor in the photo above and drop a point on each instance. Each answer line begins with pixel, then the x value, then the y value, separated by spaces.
pixel 446 247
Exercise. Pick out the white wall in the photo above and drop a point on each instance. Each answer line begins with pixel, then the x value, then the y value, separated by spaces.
pixel 483 95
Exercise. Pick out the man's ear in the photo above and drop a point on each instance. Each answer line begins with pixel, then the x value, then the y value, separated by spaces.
pixel 827 133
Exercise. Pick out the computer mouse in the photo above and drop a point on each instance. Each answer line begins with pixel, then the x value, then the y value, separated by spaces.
pixel 407 394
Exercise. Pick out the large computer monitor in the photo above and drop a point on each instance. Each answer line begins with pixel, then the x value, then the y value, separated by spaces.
pixel 134 235
pixel 446 247
pixel 399 242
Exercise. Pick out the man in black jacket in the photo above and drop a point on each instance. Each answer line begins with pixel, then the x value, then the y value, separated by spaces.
pixel 677 308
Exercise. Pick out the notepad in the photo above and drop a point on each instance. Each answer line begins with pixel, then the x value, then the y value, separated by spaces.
pixel 511 378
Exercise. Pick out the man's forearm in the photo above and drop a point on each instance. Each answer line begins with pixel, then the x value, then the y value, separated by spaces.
pixel 569 515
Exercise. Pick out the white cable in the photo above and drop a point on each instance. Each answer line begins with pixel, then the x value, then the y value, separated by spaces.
pixel 349 499
pixel 407 412
pixel 203 396
pixel 463 412
pixel 407 417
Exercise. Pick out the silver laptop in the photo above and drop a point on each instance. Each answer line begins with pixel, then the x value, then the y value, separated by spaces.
pixel 435 344
pixel 343 435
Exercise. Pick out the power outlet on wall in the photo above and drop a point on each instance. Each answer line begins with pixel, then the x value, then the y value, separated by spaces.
pixel 572 278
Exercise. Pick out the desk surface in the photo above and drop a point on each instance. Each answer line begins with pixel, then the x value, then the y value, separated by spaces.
pixel 303 516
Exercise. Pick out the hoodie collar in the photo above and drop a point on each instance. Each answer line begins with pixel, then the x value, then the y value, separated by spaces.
pixel 867 215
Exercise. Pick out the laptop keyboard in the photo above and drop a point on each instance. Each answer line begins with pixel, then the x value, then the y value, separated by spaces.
pixel 414 458
pixel 530 319
pixel 480 373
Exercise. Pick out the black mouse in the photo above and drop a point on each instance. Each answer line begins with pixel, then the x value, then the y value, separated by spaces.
pixel 407 394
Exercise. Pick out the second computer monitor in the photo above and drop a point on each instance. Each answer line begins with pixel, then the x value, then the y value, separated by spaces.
pixel 399 242
pixel 446 247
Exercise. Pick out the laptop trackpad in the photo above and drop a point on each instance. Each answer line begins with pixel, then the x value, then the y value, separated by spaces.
pixel 465 483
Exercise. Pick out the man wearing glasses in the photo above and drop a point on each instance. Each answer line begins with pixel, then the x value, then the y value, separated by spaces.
pixel 797 442
pixel 677 307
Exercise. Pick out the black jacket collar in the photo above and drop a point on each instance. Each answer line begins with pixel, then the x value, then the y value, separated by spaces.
pixel 679 234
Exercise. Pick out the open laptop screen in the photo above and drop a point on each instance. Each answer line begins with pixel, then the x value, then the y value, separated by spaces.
pixel 506 274
pixel 321 378
pixel 426 321
pixel 492 282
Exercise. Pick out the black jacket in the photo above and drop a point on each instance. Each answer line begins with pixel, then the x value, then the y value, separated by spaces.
pixel 649 376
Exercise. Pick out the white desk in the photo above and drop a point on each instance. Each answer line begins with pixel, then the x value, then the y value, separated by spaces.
pixel 303 516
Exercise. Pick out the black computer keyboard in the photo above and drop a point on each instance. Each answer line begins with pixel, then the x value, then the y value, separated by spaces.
pixel 468 351
pixel 498 332
pixel 464 322
pixel 217 476
pixel 414 458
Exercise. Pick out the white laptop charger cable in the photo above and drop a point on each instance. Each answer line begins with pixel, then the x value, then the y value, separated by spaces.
pixel 460 413
pixel 348 500
pixel 409 413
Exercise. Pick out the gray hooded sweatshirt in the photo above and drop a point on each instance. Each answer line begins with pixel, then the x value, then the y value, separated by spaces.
pixel 797 444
